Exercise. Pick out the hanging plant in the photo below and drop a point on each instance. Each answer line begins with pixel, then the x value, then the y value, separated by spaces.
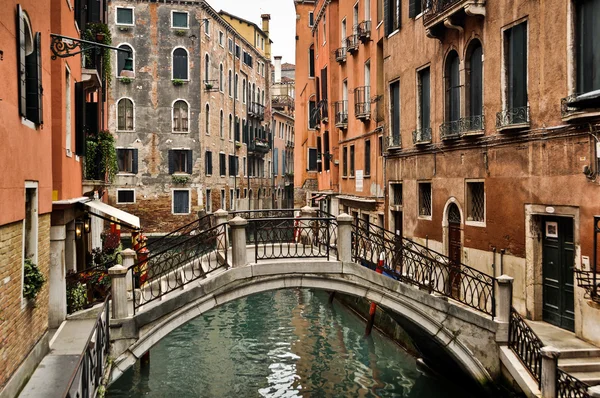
pixel 180 179
pixel 101 157
pixel 180 32
pixel 125 80
pixel 33 280
pixel 99 33
pixel 177 82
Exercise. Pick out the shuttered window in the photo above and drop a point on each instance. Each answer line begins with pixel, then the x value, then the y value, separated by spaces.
pixel 515 41
pixel 180 116
pixel 345 161
pixel 208 164
pixel 181 201
pixel 30 70
pixel 392 15
pixel 276 161
pixel 311 62
pixel 351 160
pixel 80 117
pixel 326 162
pixel 367 158
pixel 222 165
pixel 587 45
pixel 475 91
pixel 452 87
pixel 415 7
pixel 180 161
pixel 125 115
pixel 127 160
pixel 424 99
pixel 233 167
pixel 395 111
pixel 180 64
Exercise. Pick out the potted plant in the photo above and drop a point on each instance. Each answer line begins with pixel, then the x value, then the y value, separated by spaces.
pixel 33 279
pixel 177 82
pixel 99 33
pixel 180 32
pixel 125 80
pixel 180 179
pixel 208 85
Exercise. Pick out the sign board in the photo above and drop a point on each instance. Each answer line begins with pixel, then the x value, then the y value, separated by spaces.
pixel 359 180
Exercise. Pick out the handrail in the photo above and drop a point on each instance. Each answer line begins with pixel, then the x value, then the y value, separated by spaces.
pixel 525 344
pixel 181 231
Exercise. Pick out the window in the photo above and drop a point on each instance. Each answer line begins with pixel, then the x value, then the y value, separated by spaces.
pixel 396 199
pixel 515 57
pixel 345 161
pixel 247 59
pixel 311 19
pixel 208 201
pixel 587 31
pixel 125 16
pixel 319 155
pixel 475 83
pixel 415 7
pixel 179 20
pixel 181 201
pixel 30 70
pixel 324 28
pixel 233 167
pixel 452 82
pixel 424 199
pixel 125 115
pixel 235 87
pixel 68 114
pixel 395 113
pixel 231 199
pixel 379 11
pixel 222 165
pixel 244 90
pixel 221 79
pixel 223 199
pixel 221 39
pixel 230 127
pixel 392 16
pixel 351 160
pixel 127 160
pixel 180 161
pixel 475 201
pixel 276 162
pixel 237 51
pixel 125 196
pixel 367 157
pixel 180 116
pixel 207 120
pixel 312 115
pixel 424 101
pixel 30 223
pixel 180 64
pixel 312 159
pixel 311 62
pixel 230 84
pixel 206 26
pixel 206 67
pixel 122 57
pixel 208 163
pixel 230 45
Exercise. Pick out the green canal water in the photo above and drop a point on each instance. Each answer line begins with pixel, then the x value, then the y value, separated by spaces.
pixel 287 343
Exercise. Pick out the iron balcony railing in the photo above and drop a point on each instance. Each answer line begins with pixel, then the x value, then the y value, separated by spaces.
pixel 282 101
pixel 340 55
pixel 362 102
pixel 289 143
pixel 434 9
pixel 525 344
pixel 513 117
pixel 394 141
pixel 260 145
pixel 472 124
pixel 341 114
pixel 256 110
pixel 323 107
pixel 450 130
pixel 352 43
pixel 422 136
pixel 364 31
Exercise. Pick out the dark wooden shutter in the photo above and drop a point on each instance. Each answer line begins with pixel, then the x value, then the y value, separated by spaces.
pixel 475 84
pixel 318 91
pixel 367 157
pixel 171 161
pixel 326 149
pixel 134 166
pixel 518 67
pixel 395 110
pixel 91 117
pixel 94 9
pixel 425 99
pixel 21 62
pixel 80 114
pixel 412 8
pixel 319 155
pixel 324 83
pixel 387 17
pixel 33 83
pixel 190 162
pixel 312 159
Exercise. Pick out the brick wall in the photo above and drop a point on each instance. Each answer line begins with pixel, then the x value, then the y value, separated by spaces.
pixel 20 327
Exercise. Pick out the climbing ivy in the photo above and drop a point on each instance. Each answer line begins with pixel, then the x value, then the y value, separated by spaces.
pixel 100 33
pixel 101 157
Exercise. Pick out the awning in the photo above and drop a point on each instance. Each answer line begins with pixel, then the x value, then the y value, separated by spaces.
pixel 319 198
pixel 123 216
pixel 587 100
pixel 357 199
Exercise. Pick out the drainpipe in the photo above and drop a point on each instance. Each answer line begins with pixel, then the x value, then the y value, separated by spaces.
pixel 494 261
pixel 502 261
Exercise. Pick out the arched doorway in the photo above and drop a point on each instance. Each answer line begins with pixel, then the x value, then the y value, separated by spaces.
pixel 454 248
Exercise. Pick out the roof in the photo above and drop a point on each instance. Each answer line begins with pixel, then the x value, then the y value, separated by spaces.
pixel 245 21
pixel 285 79
pixel 288 66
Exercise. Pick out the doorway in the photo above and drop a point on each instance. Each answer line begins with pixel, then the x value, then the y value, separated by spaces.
pixel 454 249
pixel 558 255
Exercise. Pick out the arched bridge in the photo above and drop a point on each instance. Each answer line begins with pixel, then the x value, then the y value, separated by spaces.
pixel 221 258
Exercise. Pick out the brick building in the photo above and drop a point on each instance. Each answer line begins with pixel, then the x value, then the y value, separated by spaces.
pixel 194 112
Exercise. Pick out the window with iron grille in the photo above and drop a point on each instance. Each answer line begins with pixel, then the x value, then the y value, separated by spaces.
pixel 396 194
pixel 181 201
pixel 425 199
pixel 475 201
pixel 127 160
pixel 180 116
pixel 180 161
pixel 125 196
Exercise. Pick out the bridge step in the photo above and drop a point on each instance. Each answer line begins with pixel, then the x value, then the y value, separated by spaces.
pixel 580 353
pixel 591 378
pixel 573 365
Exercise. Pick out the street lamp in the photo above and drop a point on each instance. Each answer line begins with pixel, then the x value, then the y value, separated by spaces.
pixel 64 47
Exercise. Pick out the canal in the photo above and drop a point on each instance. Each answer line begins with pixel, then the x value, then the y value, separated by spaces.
pixel 286 343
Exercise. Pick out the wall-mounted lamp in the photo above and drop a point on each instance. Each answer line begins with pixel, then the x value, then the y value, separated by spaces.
pixel 127 70
pixel 87 221
pixel 78 229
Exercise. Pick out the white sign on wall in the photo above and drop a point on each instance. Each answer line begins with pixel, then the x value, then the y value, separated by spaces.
pixel 359 180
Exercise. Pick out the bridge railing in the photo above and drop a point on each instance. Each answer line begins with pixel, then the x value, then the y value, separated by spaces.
pixel 264 213
pixel 184 261
pixel 180 234
pixel 525 344
pixel 409 262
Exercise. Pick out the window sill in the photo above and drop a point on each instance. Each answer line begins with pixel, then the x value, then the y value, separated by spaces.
pixel 578 115
pixel 367 176
pixel 480 224
pixel 125 203
pixel 394 33
pixel 424 218
pixel 125 131
pixel 181 214
pixel 180 132
pixel 28 123
pixel 513 127
pixel 127 174
pixel 69 153
pixel 180 27
pixel 118 24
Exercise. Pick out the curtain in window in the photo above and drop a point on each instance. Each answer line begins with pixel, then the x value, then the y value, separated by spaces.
pixel 180 116
pixel 125 114
pixel 180 64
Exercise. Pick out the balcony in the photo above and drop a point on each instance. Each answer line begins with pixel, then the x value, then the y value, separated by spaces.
pixel 362 103
pixel 280 102
pixel 256 110
pixel 341 115
pixel 340 55
pixel 449 14
pixel 450 130
pixel 323 107
pixel 259 145
pixel 352 44
pixel 472 125
pixel 513 119
pixel 364 31
pixel 289 143
pixel 394 142
pixel 422 137
pixel 572 109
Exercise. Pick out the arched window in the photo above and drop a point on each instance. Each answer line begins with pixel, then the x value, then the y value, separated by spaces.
pixel 230 127
pixel 122 57
pixel 221 79
pixel 452 80
pixel 206 67
pixel 474 90
pixel 221 124
pixel 207 119
pixel 180 116
pixel 230 84
pixel 180 64
pixel 125 115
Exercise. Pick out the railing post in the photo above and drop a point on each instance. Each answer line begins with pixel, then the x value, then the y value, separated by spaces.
pixel 503 304
pixel 549 368
pixel 344 222
pixel 238 241
pixel 118 275
pixel 594 391
pixel 222 239
pixel 128 261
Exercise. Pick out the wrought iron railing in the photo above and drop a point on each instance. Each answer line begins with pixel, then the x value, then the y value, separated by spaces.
pixel 362 102
pixel 471 124
pixel 175 266
pixel 258 144
pixel 265 213
pixel 88 375
pixel 434 8
pixel 412 263
pixel 568 386
pixel 211 85
pixel 323 107
pixel 341 114
pixel 422 136
pixel 256 110
pixel 512 116
pixel 525 344
pixel 450 130
pixel 352 43
pixel 281 101
pixel 364 30
pixel 340 54
pixel 180 234
pixel 585 280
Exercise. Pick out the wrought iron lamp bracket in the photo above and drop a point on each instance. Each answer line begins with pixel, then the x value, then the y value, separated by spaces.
pixel 64 46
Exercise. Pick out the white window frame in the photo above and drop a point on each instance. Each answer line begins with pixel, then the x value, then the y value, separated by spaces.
pixel 172 114
pixel 467 202
pixel 117 13
pixel 313 19
pixel 173 201
pixel 132 57
pixel 188 63
pixel 125 203
pixel 35 232
pixel 187 19
pixel 117 114
pixel 221 38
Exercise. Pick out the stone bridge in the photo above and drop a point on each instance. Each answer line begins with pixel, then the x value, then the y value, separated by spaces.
pixel 308 252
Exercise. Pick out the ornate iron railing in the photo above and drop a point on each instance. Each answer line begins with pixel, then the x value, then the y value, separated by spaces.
pixel 341 114
pixel 352 43
pixel 180 234
pixel 436 7
pixel 340 55
pixel 412 263
pixel 256 110
pixel 323 107
pixel 280 101
pixel 175 266
pixel 568 386
pixel 422 136
pixel 302 237
pixel 585 280
pixel 472 123
pixel 512 116
pixel 525 344
pixel 450 130
pixel 266 213
pixel 364 30
pixel 362 101
pixel 88 375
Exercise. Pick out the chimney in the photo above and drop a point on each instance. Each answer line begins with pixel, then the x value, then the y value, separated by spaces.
pixel 277 69
pixel 265 23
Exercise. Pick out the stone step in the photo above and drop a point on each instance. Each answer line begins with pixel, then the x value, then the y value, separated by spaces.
pixel 571 365
pixel 580 353
pixel 591 378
